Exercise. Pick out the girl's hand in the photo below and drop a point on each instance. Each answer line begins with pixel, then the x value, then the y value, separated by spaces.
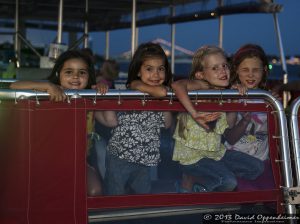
pixel 156 91
pixel 202 118
pixel 56 93
pixel 101 88
pixel 277 95
pixel 241 88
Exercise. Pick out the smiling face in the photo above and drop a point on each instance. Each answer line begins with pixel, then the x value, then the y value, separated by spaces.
pixel 250 72
pixel 153 72
pixel 74 74
pixel 215 71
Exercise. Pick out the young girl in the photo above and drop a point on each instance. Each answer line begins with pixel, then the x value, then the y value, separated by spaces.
pixel 72 70
pixel 247 141
pixel 134 146
pixel 198 146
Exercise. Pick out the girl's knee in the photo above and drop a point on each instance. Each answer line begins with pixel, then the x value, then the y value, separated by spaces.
pixel 94 183
pixel 94 191
pixel 229 183
pixel 258 170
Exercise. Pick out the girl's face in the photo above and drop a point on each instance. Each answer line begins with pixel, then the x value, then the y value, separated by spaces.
pixel 250 72
pixel 153 72
pixel 216 71
pixel 74 74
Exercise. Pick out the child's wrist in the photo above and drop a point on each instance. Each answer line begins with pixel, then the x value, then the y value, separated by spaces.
pixel 193 113
pixel 244 121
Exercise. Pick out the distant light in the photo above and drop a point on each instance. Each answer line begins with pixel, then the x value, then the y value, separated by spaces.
pixel 212 14
pixel 270 66
pixel 274 61
pixel 196 15
pixel 167 52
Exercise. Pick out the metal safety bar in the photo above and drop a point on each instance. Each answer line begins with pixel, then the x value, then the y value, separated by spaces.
pixel 292 194
pixel 128 214
pixel 211 94
pixel 294 130
pixel 11 94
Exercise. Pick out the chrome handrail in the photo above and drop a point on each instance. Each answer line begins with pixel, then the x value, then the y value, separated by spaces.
pixel 294 130
pixel 11 94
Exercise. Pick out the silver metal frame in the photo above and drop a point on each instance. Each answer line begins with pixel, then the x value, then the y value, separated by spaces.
pixel 294 130
pixel 134 34
pixel 128 214
pixel 117 94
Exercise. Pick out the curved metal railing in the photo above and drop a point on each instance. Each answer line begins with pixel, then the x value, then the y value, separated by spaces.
pixel 294 130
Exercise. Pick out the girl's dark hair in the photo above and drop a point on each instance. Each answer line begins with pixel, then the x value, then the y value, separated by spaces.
pixel 72 54
pixel 147 51
pixel 249 51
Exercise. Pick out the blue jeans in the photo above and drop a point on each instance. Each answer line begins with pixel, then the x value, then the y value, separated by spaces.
pixel 214 175
pixel 123 177
pixel 100 146
pixel 243 165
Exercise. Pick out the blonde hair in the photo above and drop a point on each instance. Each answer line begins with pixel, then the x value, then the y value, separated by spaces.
pixel 197 66
pixel 199 56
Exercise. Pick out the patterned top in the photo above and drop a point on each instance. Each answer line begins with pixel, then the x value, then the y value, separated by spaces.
pixel 198 143
pixel 137 137
pixel 255 140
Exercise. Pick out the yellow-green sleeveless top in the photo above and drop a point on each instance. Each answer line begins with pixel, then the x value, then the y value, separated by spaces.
pixel 197 143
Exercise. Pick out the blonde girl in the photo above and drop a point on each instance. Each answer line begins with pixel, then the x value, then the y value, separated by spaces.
pixel 198 146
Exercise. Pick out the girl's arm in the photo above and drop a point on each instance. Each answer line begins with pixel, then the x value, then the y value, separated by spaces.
pixel 107 118
pixel 56 92
pixel 181 88
pixel 168 119
pixel 156 91
pixel 233 134
pixel 231 118
pixel 235 131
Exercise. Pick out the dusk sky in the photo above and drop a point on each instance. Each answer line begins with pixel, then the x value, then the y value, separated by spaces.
pixel 238 30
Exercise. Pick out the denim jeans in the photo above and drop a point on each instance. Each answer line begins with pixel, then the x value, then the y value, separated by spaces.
pixel 243 165
pixel 123 177
pixel 213 175
pixel 100 147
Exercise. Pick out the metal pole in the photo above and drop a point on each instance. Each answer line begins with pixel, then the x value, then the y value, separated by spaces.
pixel 220 2
pixel 77 42
pixel 294 129
pixel 173 31
pixel 107 45
pixel 60 17
pixel 16 43
pixel 133 27
pixel 136 37
pixel 86 24
pixel 282 58
pixel 29 45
